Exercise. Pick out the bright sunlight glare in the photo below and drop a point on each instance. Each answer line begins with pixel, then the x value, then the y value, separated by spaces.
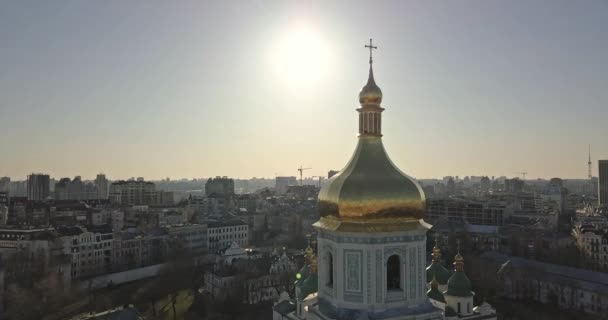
pixel 301 59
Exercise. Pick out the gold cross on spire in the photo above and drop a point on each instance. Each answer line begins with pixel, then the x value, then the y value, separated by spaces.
pixel 371 47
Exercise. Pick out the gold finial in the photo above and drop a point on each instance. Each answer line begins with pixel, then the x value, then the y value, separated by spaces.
pixel 458 260
pixel 436 251
pixel 311 259
pixel 434 283
pixel 371 47
pixel 371 93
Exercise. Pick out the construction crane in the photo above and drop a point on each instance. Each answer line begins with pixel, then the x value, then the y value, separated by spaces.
pixel 523 174
pixel 301 173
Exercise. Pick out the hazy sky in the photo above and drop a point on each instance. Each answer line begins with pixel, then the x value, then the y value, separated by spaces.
pixel 203 88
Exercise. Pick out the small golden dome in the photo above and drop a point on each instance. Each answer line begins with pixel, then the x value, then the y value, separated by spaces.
pixel 370 93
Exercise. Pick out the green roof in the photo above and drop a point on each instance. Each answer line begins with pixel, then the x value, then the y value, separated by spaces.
pixel 284 307
pixel 439 272
pixel 459 285
pixel 304 273
pixel 310 285
pixel 434 294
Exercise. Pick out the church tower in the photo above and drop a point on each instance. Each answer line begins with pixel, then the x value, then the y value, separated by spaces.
pixel 371 236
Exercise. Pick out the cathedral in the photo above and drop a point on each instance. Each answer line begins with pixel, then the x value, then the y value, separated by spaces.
pixel 371 243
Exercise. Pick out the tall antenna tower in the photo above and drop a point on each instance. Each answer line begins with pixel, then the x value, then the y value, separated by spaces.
pixel 589 175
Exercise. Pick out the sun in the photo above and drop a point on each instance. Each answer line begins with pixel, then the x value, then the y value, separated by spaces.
pixel 301 58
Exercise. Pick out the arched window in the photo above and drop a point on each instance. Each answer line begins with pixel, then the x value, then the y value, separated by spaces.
pixel 330 270
pixel 393 274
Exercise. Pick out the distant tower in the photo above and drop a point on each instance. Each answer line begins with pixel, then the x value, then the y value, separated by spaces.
pixel 589 175
pixel 102 186
pixel 38 186
pixel 603 182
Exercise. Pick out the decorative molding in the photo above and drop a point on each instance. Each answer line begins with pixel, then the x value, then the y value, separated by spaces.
pixel 353 298
pixel 413 270
pixel 399 251
pixel 420 271
pixel 368 260
pixel 384 240
pixel 353 275
pixel 379 278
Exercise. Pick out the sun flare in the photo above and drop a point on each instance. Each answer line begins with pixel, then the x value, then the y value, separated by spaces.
pixel 301 58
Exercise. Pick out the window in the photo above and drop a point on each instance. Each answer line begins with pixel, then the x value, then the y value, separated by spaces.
pixel 393 274
pixel 458 307
pixel 330 270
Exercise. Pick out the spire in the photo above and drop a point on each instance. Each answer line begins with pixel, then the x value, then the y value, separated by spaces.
pixel 311 259
pixel 436 251
pixel 370 78
pixel 434 283
pixel 371 47
pixel 370 97
pixel 458 261
pixel 434 293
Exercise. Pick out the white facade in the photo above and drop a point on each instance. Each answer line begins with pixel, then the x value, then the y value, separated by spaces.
pixel 192 237
pixel 118 220
pixel 221 235
pixel 355 273
pixel 91 253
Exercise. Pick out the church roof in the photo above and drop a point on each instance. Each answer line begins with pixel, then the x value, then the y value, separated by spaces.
pixel 302 275
pixel 459 285
pixel 435 294
pixel 438 271
pixel 284 307
pixel 310 285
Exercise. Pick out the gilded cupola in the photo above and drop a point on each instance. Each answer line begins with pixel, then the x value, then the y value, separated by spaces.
pixel 370 193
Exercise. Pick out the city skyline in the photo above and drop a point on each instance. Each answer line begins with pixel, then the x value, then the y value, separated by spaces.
pixel 156 91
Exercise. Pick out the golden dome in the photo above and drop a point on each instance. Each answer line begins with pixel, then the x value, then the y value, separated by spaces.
pixel 370 93
pixel 370 190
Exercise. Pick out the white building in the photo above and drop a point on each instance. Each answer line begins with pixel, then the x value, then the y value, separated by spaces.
pixel 592 241
pixel 118 220
pixel 91 251
pixel 191 237
pixel 221 234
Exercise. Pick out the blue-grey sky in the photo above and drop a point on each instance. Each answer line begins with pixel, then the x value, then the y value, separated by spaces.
pixel 202 88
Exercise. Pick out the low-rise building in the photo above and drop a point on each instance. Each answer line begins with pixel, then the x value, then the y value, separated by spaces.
pixel 470 211
pixel 592 241
pixel 90 250
pixel 562 287
pixel 135 249
pixel 221 234
pixel 189 237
